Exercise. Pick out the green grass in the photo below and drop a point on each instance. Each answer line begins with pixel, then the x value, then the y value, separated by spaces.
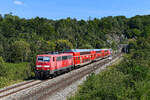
pixel 15 73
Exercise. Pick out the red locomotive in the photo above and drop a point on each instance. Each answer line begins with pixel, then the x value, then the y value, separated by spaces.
pixel 52 64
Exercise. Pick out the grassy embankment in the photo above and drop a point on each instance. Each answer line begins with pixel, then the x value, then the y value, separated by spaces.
pixel 14 73
pixel 129 80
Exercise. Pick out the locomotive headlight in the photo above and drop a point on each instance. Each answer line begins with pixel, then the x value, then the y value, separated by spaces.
pixel 46 66
pixel 38 66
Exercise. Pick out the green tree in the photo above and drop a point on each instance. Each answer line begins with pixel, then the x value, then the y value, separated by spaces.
pixel 20 51
pixel 47 46
pixel 62 45
pixel 1 50
pixel 1 18
pixel 146 31
pixel 86 46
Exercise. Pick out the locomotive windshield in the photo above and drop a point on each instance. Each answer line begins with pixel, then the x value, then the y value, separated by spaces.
pixel 43 59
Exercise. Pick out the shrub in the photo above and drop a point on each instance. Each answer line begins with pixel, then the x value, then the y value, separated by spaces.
pixel 15 73
pixel 20 51
pixel 108 85
pixel 18 71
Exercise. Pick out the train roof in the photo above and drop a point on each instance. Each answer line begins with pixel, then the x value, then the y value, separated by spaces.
pixel 78 50
pixel 82 50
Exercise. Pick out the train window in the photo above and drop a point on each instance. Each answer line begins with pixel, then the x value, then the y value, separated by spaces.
pixel 43 59
pixel 69 57
pixel 64 57
pixel 58 59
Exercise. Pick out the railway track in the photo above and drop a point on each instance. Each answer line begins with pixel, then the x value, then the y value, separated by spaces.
pixel 53 87
pixel 63 83
pixel 16 88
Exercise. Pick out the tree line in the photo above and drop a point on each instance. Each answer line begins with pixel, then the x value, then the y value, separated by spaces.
pixel 22 39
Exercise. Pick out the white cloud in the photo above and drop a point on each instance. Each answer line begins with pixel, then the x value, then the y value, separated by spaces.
pixel 18 2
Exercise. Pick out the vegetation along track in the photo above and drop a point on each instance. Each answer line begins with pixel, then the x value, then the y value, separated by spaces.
pixel 64 82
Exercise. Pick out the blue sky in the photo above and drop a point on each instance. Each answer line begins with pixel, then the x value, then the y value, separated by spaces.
pixel 80 9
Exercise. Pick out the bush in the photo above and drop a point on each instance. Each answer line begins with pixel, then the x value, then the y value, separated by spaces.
pixel 20 51
pixel 18 71
pixel 108 85
pixel 142 91
pixel 15 73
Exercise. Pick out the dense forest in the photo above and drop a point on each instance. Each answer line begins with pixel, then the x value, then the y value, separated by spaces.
pixel 22 39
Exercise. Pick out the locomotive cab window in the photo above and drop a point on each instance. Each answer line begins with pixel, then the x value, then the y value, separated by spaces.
pixel 43 59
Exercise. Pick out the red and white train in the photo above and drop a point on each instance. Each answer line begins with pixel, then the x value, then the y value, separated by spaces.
pixel 52 64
